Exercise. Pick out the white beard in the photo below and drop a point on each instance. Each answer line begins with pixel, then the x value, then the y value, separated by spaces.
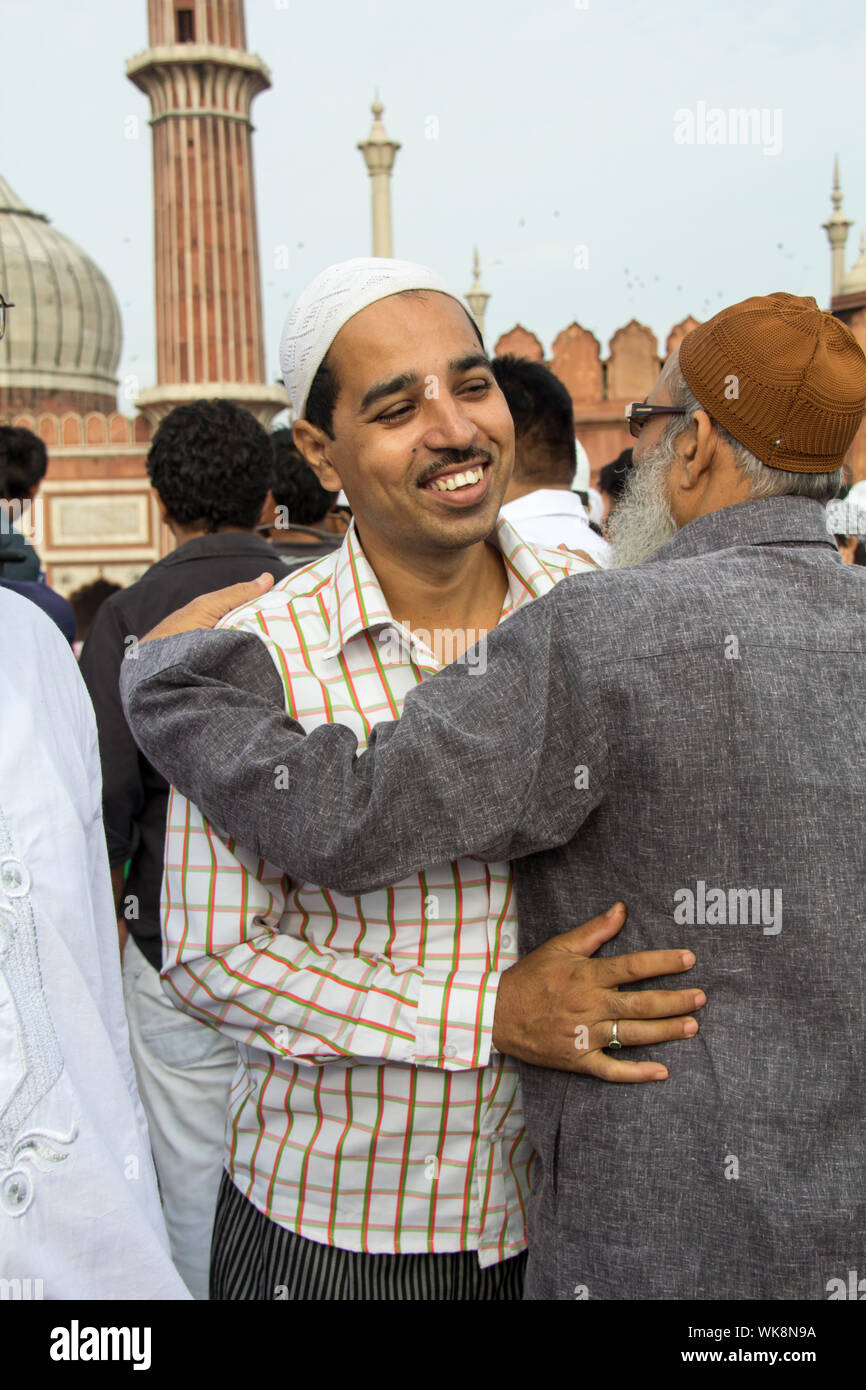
pixel 642 521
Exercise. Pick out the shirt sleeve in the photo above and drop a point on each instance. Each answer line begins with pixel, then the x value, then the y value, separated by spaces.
pixel 495 757
pixel 229 962
pixel 123 794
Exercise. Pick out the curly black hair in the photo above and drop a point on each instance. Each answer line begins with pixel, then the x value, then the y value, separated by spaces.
pixel 86 602
pixel 210 462
pixel 23 462
pixel 295 485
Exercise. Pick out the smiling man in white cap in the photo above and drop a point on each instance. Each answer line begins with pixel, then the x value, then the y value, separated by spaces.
pixel 353 389
pixel 375 1144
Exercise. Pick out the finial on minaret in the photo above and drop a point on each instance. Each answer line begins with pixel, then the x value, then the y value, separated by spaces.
pixel 836 195
pixel 476 298
pixel 379 153
pixel 837 227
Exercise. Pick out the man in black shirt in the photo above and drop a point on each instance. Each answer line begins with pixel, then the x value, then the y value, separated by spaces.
pixel 210 463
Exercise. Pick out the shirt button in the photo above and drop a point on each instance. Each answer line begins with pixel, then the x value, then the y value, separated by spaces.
pixel 16 1191
pixel 14 878
pixel 450 1050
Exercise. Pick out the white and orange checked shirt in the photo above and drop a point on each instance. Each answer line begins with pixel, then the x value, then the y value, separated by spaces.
pixel 368 1110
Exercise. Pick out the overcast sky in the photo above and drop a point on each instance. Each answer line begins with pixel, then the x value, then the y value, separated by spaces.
pixel 560 145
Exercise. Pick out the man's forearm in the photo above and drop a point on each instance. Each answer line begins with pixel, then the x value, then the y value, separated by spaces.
pixel 118 882
pixel 278 993
pixel 242 970
pixel 479 765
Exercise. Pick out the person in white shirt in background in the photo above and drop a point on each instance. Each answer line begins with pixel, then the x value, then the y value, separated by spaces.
pixel 856 494
pixel 79 1208
pixel 540 501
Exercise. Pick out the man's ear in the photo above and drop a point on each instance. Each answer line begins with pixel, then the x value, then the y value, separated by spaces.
pixel 696 452
pixel 313 443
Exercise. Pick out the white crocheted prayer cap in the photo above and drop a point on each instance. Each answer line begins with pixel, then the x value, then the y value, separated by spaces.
pixel 329 301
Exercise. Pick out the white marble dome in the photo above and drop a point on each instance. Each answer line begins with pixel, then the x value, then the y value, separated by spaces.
pixel 64 333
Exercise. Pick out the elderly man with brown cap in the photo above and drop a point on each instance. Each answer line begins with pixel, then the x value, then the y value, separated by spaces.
pixel 685 733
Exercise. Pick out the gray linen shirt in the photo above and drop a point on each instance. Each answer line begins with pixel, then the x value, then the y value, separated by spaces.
pixel 674 735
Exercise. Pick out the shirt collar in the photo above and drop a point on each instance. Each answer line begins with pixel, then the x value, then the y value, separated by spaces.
pixel 220 543
pixel 762 521
pixel 358 605
pixel 532 571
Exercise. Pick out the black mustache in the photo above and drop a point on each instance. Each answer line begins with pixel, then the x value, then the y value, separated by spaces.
pixel 453 458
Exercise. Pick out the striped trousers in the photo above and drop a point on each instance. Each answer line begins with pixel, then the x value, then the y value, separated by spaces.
pixel 253 1257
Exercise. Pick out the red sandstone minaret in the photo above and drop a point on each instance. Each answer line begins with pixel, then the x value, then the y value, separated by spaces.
pixel 201 82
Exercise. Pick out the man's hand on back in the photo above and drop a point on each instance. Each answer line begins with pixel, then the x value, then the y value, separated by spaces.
pixel 207 609
pixel 556 1007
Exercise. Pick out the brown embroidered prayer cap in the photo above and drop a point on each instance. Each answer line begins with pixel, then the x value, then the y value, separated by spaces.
pixel 785 378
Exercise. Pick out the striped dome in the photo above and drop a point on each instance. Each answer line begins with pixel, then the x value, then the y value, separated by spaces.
pixel 64 333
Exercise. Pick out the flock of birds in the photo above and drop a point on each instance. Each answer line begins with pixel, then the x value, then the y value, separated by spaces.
pixel 633 280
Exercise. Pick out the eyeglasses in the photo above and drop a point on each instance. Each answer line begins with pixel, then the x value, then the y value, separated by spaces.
pixel 4 305
pixel 638 412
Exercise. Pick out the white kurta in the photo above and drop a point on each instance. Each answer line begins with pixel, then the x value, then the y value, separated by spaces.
pixel 79 1210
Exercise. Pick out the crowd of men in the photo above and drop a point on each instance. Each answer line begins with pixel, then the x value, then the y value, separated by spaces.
pixel 376 817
